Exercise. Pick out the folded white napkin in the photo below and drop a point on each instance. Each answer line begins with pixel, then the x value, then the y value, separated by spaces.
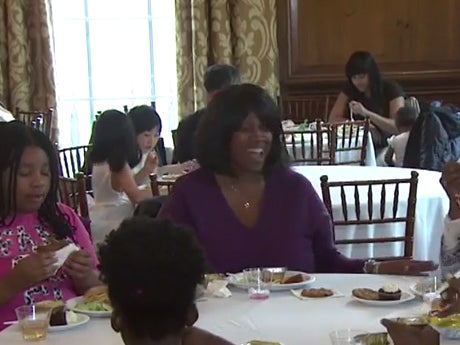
pixel 63 253
pixel 218 288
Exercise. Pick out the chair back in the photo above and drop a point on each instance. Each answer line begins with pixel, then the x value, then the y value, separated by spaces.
pixel 160 186
pixel 72 192
pixel 309 146
pixel 350 137
pixel 41 120
pixel 299 108
pixel 388 210
pixel 73 160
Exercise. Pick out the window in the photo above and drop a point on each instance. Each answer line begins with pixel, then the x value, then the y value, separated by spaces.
pixel 110 54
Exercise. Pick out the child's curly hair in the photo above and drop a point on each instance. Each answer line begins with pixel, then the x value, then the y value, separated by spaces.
pixel 152 269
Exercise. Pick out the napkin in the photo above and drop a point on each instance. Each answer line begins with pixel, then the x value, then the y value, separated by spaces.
pixel 218 288
pixel 63 253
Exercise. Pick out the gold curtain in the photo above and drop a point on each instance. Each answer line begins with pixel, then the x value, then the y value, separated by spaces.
pixel 238 32
pixel 26 63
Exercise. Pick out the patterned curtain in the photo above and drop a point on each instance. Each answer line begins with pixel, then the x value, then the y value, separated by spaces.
pixel 26 62
pixel 239 32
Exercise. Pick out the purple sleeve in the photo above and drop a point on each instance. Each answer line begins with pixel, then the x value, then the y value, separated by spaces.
pixel 328 259
pixel 176 208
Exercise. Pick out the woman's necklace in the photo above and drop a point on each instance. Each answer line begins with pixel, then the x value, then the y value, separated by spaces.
pixel 246 203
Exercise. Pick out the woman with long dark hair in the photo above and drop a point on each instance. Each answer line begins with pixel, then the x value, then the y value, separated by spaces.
pixel 367 94
pixel 253 210
pixel 113 155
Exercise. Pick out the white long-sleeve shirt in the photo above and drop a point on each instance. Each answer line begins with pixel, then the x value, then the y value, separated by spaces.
pixel 450 247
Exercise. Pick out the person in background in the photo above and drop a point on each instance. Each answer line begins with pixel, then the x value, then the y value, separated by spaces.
pixel 153 295
pixel 216 78
pixel 113 154
pixel 405 119
pixel 367 94
pixel 147 128
pixel 31 217
pixel 450 247
pixel 254 211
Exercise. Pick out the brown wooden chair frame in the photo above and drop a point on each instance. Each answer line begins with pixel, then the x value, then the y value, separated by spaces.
pixel 409 220
pixel 348 135
pixel 72 192
pixel 41 120
pixel 156 184
pixel 316 145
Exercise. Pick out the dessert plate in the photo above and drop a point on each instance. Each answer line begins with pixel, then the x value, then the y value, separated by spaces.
pixel 80 320
pixel 405 297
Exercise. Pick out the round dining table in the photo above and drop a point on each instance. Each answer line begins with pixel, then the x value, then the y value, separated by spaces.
pixel 432 206
pixel 281 318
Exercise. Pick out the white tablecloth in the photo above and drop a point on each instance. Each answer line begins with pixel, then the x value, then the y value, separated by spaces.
pixel 432 206
pixel 340 157
pixel 282 317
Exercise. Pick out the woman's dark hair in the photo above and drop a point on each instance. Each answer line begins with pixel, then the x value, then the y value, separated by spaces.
pixel 15 137
pixel 114 141
pixel 362 62
pixel 144 118
pixel 152 269
pixel 225 115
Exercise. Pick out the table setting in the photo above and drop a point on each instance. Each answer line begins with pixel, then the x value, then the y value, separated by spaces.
pixel 299 137
pixel 329 313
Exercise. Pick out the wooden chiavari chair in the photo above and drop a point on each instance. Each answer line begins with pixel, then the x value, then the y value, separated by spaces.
pixel 408 218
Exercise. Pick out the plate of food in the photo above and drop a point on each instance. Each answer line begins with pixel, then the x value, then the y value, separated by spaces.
pixel 283 279
pixel 316 293
pixel 389 294
pixel 95 303
pixel 62 319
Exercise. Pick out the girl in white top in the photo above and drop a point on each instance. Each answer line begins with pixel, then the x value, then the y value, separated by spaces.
pixel 114 153
pixel 405 119
pixel 147 127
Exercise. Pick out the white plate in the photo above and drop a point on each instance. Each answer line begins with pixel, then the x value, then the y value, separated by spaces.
pixel 81 320
pixel 405 297
pixel 298 294
pixel 237 280
pixel 72 303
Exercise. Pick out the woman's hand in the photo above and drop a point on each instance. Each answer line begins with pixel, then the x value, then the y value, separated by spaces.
pixel 35 268
pixel 358 108
pixel 406 267
pixel 402 334
pixel 151 163
pixel 450 299
pixel 79 265
pixel 190 166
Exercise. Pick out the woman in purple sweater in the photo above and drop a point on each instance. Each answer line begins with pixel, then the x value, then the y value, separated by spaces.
pixel 246 206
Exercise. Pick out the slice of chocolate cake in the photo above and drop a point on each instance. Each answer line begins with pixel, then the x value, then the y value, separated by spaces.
pixel 58 317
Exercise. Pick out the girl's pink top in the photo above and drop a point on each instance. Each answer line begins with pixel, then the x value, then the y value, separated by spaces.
pixel 23 237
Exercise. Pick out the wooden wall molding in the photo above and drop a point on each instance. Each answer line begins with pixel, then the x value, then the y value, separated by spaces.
pixel 404 53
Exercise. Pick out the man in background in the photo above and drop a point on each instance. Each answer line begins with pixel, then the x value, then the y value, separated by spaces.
pixel 216 78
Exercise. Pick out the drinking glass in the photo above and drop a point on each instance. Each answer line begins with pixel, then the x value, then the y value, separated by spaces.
pixel 259 281
pixel 345 336
pixel 33 322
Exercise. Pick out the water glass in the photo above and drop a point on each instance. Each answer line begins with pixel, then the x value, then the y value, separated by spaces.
pixel 259 281
pixel 346 336
pixel 33 322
